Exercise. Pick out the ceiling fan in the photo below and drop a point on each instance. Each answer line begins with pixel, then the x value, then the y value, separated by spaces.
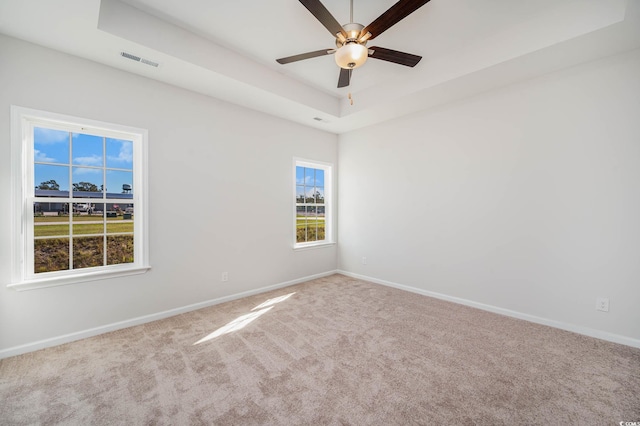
pixel 351 39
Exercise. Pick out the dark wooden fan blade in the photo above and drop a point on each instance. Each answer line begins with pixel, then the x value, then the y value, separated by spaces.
pixel 394 56
pixel 392 16
pixel 302 56
pixel 345 77
pixel 321 13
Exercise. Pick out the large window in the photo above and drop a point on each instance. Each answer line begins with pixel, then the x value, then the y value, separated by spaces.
pixel 313 201
pixel 79 199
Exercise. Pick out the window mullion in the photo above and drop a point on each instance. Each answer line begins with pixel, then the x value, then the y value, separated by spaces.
pixel 104 201
pixel 70 207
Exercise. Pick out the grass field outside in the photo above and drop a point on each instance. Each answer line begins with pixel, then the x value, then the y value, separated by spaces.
pixel 57 230
pixel 309 229
pixel 52 239
pixel 52 254
pixel 76 218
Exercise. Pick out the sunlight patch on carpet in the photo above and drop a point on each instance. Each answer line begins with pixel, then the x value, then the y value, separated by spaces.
pixel 273 301
pixel 242 321
pixel 236 324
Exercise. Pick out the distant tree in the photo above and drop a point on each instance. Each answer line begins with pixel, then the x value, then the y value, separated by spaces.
pixel 49 185
pixel 316 197
pixel 85 187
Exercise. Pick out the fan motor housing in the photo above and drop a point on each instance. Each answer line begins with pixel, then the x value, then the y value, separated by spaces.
pixel 353 34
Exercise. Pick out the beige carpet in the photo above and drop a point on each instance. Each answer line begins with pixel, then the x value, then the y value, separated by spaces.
pixel 335 351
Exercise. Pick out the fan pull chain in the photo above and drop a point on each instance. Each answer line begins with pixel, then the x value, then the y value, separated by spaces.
pixel 350 99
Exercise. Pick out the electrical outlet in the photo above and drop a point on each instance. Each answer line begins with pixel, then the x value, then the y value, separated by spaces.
pixel 364 260
pixel 602 304
pixel 224 277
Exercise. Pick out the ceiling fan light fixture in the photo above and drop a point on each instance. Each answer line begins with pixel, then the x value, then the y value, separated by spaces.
pixel 351 55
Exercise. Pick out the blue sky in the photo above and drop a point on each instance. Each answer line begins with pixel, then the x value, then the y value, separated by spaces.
pixel 309 180
pixel 53 147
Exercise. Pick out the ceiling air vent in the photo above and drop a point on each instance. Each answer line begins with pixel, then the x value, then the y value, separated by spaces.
pixel 139 59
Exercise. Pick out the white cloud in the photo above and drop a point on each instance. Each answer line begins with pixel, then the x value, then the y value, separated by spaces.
pixel 78 171
pixel 307 180
pixel 92 160
pixel 125 155
pixel 42 157
pixel 50 136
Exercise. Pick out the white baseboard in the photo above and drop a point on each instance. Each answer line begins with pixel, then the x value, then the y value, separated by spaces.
pixel 598 334
pixel 59 340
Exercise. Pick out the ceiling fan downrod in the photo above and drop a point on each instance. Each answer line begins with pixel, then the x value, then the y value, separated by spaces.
pixel 351 11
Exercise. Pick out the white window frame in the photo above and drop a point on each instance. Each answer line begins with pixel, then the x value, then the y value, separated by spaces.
pixel 328 203
pixel 23 121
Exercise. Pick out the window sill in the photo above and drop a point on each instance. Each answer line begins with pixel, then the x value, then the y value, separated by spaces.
pixel 313 246
pixel 74 279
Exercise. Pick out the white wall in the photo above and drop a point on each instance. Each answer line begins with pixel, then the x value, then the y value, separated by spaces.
pixel 230 165
pixel 525 198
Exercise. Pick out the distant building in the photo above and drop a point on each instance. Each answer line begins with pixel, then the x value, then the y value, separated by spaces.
pixel 59 206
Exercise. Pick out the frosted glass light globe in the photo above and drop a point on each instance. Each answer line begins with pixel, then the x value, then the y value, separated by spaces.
pixel 351 55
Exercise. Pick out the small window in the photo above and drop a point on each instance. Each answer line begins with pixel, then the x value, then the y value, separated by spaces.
pixel 312 203
pixel 80 199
